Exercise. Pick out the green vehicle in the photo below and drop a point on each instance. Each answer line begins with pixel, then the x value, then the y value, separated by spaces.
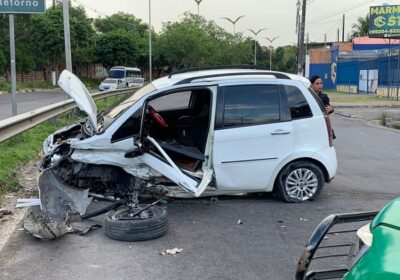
pixel 369 252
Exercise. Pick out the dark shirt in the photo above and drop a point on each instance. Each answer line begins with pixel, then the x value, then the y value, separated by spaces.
pixel 324 98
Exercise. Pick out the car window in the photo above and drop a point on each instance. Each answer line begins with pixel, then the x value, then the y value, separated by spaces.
pixel 299 107
pixel 129 128
pixel 251 105
pixel 173 101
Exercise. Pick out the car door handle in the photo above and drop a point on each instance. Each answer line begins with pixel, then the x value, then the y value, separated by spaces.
pixel 280 132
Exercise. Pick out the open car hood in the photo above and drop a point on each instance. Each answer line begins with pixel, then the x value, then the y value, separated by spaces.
pixel 74 88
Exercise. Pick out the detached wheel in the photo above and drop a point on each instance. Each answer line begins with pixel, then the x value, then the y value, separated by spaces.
pixel 150 224
pixel 300 181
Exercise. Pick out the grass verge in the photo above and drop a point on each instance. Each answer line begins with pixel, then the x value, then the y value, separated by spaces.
pixel 25 147
pixel 6 86
pixel 342 97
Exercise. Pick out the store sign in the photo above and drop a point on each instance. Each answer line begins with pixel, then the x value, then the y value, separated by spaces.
pixel 22 6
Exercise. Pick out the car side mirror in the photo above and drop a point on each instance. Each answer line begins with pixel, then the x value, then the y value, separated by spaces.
pixel 133 152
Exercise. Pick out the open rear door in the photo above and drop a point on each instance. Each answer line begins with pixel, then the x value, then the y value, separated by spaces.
pixel 170 170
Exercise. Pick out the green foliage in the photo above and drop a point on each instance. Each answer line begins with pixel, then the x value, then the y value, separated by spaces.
pixel 3 62
pixel 360 28
pixel 383 118
pixel 117 47
pixel 284 59
pixel 48 34
pixel 195 41
pixel 121 21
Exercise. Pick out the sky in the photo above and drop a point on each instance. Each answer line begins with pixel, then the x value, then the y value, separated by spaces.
pixel 277 16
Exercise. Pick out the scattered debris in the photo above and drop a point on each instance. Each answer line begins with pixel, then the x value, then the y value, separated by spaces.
pixel 4 212
pixel 8 196
pixel 172 251
pixel 280 221
pixel 304 220
pixel 283 226
pixel 240 222
pixel 214 199
pixel 326 237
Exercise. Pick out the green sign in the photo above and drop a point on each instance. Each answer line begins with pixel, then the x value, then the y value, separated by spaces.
pixel 22 6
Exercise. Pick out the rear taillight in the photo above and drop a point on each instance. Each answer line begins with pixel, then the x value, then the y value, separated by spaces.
pixel 329 129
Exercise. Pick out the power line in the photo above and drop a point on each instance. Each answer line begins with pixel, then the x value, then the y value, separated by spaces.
pixel 355 6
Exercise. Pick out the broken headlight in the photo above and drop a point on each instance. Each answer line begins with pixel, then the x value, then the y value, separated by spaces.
pixel 361 246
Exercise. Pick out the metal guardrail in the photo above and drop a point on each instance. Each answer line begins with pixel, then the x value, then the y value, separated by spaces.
pixel 15 125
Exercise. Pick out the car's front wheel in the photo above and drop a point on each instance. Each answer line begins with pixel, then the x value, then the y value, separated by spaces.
pixel 300 181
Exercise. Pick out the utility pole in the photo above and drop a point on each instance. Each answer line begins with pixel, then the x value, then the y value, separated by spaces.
pixel 150 49
pixel 338 35
pixel 300 55
pixel 344 19
pixel 271 50
pixel 67 36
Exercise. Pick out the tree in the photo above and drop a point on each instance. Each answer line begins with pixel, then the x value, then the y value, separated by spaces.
pixel 284 59
pixel 360 28
pixel 117 48
pixel 121 21
pixel 195 41
pixel 48 36
pixel 3 62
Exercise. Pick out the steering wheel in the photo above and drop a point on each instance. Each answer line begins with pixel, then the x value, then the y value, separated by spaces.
pixel 157 117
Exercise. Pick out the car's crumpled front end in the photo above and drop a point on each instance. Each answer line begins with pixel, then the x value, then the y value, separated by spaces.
pixel 59 202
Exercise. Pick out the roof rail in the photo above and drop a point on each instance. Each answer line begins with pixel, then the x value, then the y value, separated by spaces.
pixel 217 67
pixel 275 74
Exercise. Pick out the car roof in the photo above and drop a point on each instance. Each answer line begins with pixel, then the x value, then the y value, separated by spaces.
pixel 186 77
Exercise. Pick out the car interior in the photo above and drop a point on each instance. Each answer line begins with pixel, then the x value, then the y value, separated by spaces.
pixel 179 122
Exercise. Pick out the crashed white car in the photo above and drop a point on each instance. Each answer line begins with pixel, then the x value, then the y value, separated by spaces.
pixel 193 133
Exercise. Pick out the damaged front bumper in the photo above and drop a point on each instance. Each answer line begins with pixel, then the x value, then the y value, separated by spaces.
pixel 60 205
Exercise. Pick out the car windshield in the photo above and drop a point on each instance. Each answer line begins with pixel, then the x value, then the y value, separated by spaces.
pixel 119 109
pixel 116 74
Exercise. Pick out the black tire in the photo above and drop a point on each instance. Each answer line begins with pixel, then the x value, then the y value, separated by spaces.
pixel 137 229
pixel 300 181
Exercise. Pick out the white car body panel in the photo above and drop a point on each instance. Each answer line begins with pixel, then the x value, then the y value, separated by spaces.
pixel 74 88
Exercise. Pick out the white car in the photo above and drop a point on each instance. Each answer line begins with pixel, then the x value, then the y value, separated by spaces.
pixel 193 133
pixel 111 84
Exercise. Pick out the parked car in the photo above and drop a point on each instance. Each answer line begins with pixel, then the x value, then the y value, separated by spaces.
pixel 193 133
pixel 374 254
pixel 111 84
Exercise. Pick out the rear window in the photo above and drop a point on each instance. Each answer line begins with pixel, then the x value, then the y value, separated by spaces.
pixel 299 107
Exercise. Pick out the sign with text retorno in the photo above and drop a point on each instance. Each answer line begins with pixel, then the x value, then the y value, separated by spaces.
pixel 22 6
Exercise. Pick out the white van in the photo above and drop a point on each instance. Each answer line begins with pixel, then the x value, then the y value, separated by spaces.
pixel 121 76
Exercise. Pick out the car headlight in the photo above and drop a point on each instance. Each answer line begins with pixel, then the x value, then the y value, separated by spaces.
pixel 361 246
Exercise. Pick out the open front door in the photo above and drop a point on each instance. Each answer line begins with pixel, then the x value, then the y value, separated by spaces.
pixel 170 170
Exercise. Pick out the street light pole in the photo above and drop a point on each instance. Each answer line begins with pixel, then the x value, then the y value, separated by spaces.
pixel 255 42
pixel 150 50
pixel 271 48
pixel 198 6
pixel 234 22
pixel 67 36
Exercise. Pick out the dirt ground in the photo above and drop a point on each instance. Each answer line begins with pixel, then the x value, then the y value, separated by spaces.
pixel 28 190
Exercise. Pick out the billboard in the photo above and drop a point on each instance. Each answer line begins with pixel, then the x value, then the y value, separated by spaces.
pixel 22 6
pixel 384 21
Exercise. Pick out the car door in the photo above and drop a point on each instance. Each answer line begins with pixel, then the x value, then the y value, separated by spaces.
pixel 165 165
pixel 253 134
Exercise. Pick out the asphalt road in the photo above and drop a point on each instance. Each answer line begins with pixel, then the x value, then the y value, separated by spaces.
pixel 266 245
pixel 29 101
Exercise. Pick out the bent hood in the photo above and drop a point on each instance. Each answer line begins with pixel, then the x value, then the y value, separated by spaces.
pixel 74 88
